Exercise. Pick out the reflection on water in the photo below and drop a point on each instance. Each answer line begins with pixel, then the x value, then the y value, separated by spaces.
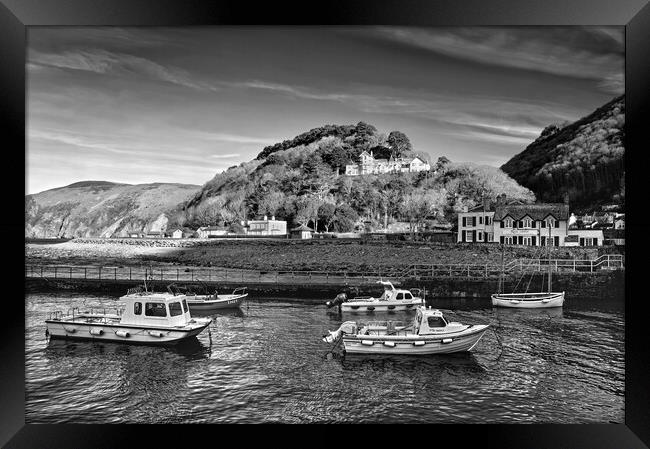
pixel 267 363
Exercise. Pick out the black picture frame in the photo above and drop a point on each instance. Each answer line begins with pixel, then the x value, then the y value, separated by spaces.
pixel 16 15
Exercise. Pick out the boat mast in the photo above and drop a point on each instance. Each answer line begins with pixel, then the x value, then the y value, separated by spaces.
pixel 502 269
pixel 548 244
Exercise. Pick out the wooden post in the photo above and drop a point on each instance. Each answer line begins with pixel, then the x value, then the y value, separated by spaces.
pixel 574 264
pixel 592 266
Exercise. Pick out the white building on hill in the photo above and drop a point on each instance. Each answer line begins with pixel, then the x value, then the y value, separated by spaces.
pixel 368 165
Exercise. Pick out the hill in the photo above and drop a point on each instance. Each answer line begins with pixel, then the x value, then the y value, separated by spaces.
pixel 103 209
pixel 584 159
pixel 300 180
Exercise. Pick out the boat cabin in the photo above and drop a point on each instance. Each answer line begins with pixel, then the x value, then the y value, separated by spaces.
pixel 431 321
pixel 155 309
pixel 393 294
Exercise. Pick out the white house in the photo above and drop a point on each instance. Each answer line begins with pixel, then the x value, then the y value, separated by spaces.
pixel 301 232
pixel 584 237
pixel 267 227
pixel 369 165
pixel 476 225
pixel 177 234
pixel 205 232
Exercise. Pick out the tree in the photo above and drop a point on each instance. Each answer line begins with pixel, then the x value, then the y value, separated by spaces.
pixel 399 143
pixel 344 218
pixel 327 215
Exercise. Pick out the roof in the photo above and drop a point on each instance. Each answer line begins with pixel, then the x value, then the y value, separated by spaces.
pixel 302 228
pixel 535 211
pixel 211 228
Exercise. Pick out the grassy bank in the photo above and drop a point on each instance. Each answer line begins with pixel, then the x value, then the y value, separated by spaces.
pixel 317 255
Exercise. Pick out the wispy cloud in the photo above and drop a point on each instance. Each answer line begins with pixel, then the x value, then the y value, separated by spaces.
pixel 231 138
pixel 106 62
pixel 514 48
pixel 225 156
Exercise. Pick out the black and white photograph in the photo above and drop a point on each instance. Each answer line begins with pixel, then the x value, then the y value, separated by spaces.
pixel 325 224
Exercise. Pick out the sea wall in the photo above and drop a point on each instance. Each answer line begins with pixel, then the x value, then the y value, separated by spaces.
pixel 582 286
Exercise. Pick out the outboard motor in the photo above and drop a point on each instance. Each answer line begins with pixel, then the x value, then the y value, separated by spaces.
pixel 340 298
pixel 348 327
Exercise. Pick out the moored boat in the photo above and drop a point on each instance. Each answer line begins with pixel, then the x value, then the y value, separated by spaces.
pixel 525 300
pixel 392 299
pixel 148 317
pixel 209 302
pixel 428 333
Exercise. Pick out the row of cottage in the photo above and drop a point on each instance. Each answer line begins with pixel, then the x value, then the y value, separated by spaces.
pixel 266 227
pixel 515 223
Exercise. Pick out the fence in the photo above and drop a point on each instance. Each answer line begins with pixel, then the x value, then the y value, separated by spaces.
pixel 227 275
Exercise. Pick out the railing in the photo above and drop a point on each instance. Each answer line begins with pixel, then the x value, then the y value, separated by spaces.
pixel 231 275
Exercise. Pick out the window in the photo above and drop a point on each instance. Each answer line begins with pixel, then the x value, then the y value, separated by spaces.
pixel 408 296
pixel 473 221
pixel 155 309
pixel 490 236
pixel 468 236
pixel 543 224
pixel 185 305
pixel 528 223
pixel 556 240
pixel 175 309
pixel 508 222
pixel 400 296
pixel 464 222
pixel 436 321
pixel 137 308
pixel 550 222
pixel 557 223
pixel 488 220
pixel 479 236
pixel 480 220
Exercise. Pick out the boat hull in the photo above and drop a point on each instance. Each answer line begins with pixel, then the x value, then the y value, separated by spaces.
pixel 120 333
pixel 417 345
pixel 528 301
pixel 381 306
pixel 208 305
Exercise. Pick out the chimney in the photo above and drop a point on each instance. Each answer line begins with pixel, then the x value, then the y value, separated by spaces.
pixel 266 218
pixel 273 218
pixel 486 204
pixel 501 199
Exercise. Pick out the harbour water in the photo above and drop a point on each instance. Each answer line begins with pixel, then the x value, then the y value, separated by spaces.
pixel 267 363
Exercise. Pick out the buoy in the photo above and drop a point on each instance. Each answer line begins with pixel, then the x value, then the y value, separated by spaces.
pixel 94 331
pixel 156 333
pixel 122 334
pixel 370 308
pixel 390 344
pixel 418 343
pixel 367 342
pixel 71 330
pixel 447 340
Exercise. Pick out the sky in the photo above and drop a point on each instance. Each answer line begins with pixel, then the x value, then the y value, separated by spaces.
pixel 148 104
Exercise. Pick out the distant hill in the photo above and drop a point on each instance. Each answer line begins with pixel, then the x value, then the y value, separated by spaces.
pixel 584 159
pixel 103 209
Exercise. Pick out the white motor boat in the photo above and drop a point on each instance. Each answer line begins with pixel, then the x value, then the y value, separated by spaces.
pixel 211 302
pixel 392 299
pixel 148 317
pixel 429 333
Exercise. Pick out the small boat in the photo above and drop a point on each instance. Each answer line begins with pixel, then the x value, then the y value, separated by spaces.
pixel 533 300
pixel 392 299
pixel 429 333
pixel 209 302
pixel 148 317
